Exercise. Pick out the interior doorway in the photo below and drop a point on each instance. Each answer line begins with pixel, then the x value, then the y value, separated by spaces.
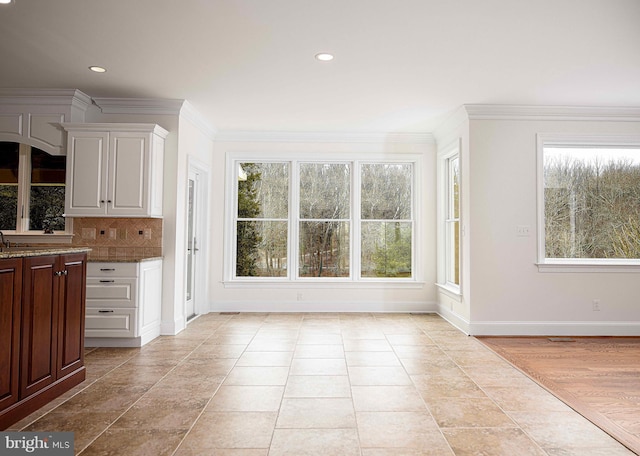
pixel 195 280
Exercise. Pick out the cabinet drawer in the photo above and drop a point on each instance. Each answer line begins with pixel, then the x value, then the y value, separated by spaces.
pixel 112 269
pixel 111 292
pixel 106 322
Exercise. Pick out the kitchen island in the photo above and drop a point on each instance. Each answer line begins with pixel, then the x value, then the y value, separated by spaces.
pixel 42 319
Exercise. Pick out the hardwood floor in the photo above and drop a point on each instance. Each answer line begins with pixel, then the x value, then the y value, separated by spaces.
pixel 599 377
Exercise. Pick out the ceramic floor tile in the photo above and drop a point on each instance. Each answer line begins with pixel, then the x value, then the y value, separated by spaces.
pixel 387 399
pixel 563 430
pixel 491 442
pixel 367 345
pixel 319 351
pixel 360 376
pixel 372 359
pixel 318 386
pixel 314 442
pixel 318 338
pixel 359 384
pixel 135 442
pixel 310 366
pixel 273 376
pixel 416 430
pixel 456 384
pixel 231 398
pixel 263 359
pixel 316 413
pixel 231 430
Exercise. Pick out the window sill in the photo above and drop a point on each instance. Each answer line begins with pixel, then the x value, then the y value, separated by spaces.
pixel 591 266
pixel 272 284
pixel 452 292
pixel 39 238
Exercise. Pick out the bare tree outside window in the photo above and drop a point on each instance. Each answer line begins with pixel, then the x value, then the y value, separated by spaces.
pixel 324 220
pixel 261 230
pixel 592 202
pixel 386 225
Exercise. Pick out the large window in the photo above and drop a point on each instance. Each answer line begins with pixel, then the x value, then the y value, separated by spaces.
pixel 32 189
pixel 591 202
pixel 452 221
pixel 337 220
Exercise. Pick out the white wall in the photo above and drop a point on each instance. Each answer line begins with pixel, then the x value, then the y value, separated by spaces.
pixel 508 294
pixel 456 307
pixel 323 297
pixel 186 138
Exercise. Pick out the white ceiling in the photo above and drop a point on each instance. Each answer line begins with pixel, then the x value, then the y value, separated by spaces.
pixel 400 65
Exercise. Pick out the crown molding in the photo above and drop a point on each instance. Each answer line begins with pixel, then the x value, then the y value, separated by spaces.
pixel 65 97
pixel 521 112
pixel 325 137
pixel 192 115
pixel 157 106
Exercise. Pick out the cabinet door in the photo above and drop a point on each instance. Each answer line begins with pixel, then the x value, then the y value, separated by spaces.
pixel 128 173
pixel 87 173
pixel 40 288
pixel 10 298
pixel 71 295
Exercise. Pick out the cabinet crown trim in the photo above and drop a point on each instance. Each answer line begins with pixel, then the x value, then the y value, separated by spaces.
pixel 120 127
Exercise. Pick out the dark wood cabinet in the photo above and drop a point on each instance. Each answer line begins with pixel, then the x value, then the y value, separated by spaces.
pixel 43 308
pixel 10 304
pixel 71 314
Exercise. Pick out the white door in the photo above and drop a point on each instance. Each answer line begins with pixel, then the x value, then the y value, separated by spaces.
pixel 192 245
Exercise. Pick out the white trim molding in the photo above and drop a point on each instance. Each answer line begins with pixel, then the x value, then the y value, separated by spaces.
pixel 518 112
pixel 158 106
pixel 555 328
pixel 325 137
pixel 324 306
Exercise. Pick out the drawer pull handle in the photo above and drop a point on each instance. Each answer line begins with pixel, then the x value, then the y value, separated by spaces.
pixel 105 311
pixel 107 281
pixel 107 269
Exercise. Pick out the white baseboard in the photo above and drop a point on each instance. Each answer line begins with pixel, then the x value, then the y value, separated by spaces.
pixel 172 328
pixel 325 306
pixel 456 320
pixel 555 328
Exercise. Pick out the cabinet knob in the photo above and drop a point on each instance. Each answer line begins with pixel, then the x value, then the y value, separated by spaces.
pixel 65 272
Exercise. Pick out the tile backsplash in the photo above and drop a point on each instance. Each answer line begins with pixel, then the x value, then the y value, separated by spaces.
pixel 118 237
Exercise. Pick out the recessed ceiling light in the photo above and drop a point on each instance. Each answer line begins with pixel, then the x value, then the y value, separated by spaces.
pixel 5 2
pixel 98 69
pixel 324 56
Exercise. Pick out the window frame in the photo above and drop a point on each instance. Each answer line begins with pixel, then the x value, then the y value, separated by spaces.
pixel 22 233
pixel 448 153
pixel 545 264
pixel 292 277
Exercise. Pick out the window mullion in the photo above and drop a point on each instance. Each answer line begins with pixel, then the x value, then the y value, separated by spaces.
pixel 356 222
pixel 24 186
pixel 294 221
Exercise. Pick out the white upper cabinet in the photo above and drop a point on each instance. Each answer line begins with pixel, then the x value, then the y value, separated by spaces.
pixel 33 116
pixel 114 170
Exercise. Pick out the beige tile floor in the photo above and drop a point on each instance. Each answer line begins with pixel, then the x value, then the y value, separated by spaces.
pixel 315 384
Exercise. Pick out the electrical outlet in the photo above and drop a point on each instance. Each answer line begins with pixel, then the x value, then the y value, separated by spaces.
pixel 596 305
pixel 299 297
pixel 113 233
pixel 523 230
pixel 147 233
